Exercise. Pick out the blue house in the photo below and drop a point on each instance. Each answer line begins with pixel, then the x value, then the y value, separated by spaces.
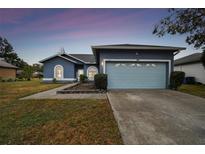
pixel 128 66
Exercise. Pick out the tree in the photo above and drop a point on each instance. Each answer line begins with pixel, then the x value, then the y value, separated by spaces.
pixel 27 72
pixel 190 22
pixel 7 52
pixel 37 70
pixel 203 59
pixel 37 67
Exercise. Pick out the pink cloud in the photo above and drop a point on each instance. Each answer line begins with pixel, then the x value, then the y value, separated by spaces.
pixel 13 16
pixel 81 24
pixel 67 19
pixel 97 26
pixel 88 34
pixel 76 18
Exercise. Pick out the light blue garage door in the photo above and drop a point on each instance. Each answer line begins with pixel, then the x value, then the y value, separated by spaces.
pixel 132 75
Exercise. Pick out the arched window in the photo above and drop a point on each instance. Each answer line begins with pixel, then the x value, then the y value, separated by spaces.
pixel 58 72
pixel 91 71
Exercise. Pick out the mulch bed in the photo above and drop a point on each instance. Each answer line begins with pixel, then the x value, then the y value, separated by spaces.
pixel 81 88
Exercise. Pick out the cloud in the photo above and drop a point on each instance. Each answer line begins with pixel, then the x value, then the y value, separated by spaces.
pixel 86 34
pixel 76 24
pixel 13 16
pixel 73 19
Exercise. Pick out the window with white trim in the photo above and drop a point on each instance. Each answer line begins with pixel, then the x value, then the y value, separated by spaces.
pixel 58 72
pixel 91 72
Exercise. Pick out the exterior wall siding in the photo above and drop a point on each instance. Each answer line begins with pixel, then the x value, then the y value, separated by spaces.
pixel 69 68
pixel 7 73
pixel 195 69
pixel 132 55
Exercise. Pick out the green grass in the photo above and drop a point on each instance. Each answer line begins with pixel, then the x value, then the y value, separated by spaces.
pixel 197 90
pixel 53 121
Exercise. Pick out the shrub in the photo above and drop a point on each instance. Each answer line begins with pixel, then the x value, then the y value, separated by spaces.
pixel 19 79
pixel 190 80
pixel 83 78
pixel 101 81
pixel 54 80
pixel 27 72
pixel 199 83
pixel 3 79
pixel 176 79
pixel 10 80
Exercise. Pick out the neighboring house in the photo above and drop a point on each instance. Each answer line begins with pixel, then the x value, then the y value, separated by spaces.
pixel 7 70
pixel 37 74
pixel 128 66
pixel 192 66
pixel 19 73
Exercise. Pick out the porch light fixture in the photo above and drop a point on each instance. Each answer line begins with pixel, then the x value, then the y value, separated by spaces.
pixel 137 56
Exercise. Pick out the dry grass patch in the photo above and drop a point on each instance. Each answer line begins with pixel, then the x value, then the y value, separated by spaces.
pixel 12 90
pixel 53 121
pixel 59 122
pixel 197 90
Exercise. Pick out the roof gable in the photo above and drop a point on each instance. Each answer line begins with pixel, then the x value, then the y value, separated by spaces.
pixel 86 58
pixel 74 58
pixel 136 47
pixel 196 57
pixel 6 65
pixel 58 55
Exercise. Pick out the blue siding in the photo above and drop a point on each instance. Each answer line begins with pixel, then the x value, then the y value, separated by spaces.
pixel 48 67
pixel 126 54
pixel 70 68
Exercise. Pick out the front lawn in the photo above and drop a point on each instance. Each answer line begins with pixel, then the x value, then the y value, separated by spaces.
pixel 197 90
pixel 12 90
pixel 53 121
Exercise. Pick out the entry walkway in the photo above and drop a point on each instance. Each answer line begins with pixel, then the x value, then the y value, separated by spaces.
pixel 51 94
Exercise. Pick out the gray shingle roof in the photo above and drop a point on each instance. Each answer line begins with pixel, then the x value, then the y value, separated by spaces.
pixel 196 57
pixel 75 58
pixel 6 65
pixel 88 58
pixel 137 46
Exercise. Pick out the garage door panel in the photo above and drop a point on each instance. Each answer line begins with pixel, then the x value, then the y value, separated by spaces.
pixel 136 75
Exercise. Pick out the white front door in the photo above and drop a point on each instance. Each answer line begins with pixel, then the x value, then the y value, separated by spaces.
pixel 80 71
pixel 91 72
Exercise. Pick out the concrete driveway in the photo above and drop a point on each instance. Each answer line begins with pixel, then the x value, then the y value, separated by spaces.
pixel 159 116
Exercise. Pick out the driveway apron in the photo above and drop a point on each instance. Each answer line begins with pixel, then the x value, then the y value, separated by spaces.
pixel 159 116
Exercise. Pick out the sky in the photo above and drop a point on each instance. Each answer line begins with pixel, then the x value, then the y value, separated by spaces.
pixel 39 33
